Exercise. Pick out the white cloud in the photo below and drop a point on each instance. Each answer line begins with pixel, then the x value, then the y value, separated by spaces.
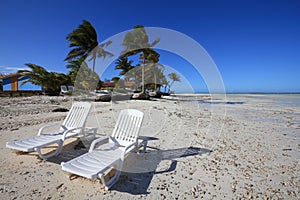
pixel 8 70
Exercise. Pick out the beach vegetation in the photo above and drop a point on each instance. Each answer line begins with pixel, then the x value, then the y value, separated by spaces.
pixel 83 43
pixel 86 78
pixel 174 78
pixel 136 42
pixel 49 81
pixel 125 66
pixel 74 66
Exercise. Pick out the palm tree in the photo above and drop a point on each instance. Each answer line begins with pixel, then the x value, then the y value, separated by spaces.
pixel 57 79
pixel 86 79
pixel 165 83
pixel 174 77
pixel 74 66
pixel 37 75
pixel 123 64
pixel 137 41
pixel 115 79
pixel 158 74
pixel 83 41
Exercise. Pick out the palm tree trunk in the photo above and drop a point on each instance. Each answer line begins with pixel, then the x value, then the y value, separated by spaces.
pixel 143 78
pixel 170 86
pixel 94 64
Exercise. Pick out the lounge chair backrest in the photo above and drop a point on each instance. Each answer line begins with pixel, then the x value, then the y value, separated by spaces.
pixel 77 113
pixel 70 88
pixel 63 88
pixel 127 126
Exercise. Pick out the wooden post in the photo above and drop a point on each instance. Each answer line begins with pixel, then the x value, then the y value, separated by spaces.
pixel 14 83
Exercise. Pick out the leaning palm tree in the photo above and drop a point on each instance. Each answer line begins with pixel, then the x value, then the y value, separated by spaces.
pixel 125 66
pixel 83 41
pixel 55 80
pixel 174 77
pixel 74 66
pixel 86 79
pixel 38 75
pixel 165 83
pixel 115 79
pixel 137 42
pixel 157 74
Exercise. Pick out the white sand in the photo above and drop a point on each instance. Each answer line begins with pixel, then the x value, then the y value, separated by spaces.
pixel 255 150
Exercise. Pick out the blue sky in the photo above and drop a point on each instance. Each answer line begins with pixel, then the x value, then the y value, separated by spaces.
pixel 255 44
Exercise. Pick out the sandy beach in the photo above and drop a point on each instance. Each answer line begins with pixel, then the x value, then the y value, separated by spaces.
pixel 250 151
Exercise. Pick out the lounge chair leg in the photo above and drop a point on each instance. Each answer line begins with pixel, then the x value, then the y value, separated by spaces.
pixel 114 179
pixel 90 133
pixel 57 151
pixel 144 145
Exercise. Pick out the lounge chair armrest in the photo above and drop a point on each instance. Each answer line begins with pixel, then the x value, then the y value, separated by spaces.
pixel 129 146
pixel 50 125
pixel 70 130
pixel 92 147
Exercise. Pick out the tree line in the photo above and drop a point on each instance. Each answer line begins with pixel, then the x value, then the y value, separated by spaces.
pixel 148 73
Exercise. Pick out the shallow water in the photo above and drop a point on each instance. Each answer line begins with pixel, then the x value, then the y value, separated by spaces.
pixel 278 100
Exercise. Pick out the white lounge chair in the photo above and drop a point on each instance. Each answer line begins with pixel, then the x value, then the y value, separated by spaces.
pixel 73 125
pixel 70 88
pixel 111 154
pixel 63 89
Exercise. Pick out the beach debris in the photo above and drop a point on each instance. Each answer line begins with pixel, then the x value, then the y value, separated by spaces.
pixel 59 186
pixel 60 110
pixel 73 176
pixel 233 186
pixel 50 173
pixel 194 190
pixel 288 149
pixel 24 173
pixel 192 171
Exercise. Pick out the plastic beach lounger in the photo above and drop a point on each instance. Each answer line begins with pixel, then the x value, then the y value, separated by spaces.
pixel 112 150
pixel 73 125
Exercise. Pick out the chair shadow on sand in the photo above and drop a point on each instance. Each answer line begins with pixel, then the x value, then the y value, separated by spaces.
pixel 138 171
pixel 69 151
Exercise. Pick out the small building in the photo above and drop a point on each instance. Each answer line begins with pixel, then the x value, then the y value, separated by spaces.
pixel 13 83
pixel 111 85
pixel 1 87
pixel 108 84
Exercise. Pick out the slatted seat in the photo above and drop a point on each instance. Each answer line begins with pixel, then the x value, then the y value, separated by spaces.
pixel 99 160
pixel 111 154
pixel 73 125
